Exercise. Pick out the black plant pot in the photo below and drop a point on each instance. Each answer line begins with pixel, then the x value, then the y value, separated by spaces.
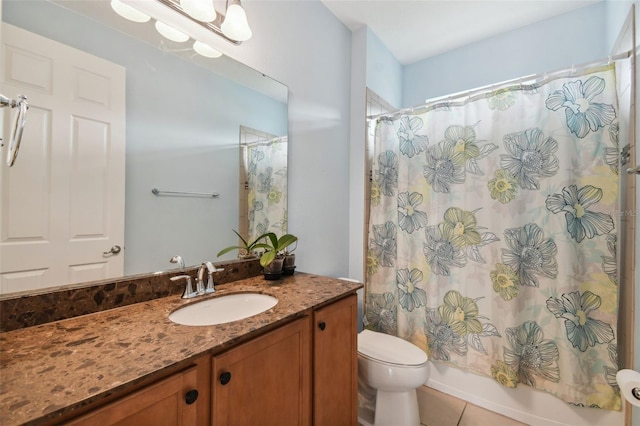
pixel 273 271
pixel 289 264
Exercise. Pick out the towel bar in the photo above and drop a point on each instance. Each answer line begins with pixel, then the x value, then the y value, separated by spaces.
pixel 156 191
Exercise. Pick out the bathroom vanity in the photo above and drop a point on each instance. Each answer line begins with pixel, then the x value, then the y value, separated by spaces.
pixel 294 364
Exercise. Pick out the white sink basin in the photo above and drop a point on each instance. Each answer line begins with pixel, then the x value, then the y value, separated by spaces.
pixel 223 309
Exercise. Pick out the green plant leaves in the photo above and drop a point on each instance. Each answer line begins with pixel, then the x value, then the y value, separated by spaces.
pixel 249 247
pixel 277 246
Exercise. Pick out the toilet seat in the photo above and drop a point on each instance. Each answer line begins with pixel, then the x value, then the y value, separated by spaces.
pixel 389 349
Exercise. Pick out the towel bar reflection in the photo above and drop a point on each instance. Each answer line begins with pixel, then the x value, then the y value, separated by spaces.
pixel 156 191
pixel 634 171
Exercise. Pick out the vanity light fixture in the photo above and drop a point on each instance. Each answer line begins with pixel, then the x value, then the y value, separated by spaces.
pixel 167 31
pixel 235 24
pixel 179 20
pixel 128 12
pixel 202 10
pixel 206 50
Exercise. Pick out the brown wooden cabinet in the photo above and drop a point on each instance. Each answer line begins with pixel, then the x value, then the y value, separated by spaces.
pixel 335 364
pixel 302 373
pixel 292 376
pixel 265 381
pixel 168 402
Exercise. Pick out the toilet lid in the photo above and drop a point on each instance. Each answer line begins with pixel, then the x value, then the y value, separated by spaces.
pixel 389 349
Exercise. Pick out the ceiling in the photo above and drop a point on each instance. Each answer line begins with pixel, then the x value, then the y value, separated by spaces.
pixel 413 30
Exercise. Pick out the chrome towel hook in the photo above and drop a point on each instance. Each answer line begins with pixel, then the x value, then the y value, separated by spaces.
pixel 18 125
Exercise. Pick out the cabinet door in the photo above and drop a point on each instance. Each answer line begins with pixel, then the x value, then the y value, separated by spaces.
pixel 163 403
pixel 335 364
pixel 266 381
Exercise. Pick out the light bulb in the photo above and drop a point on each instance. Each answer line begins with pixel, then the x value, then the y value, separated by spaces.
pixel 167 31
pixel 235 25
pixel 206 50
pixel 202 10
pixel 129 12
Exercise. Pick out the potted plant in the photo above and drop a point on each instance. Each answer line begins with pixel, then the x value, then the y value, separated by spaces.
pixel 289 264
pixel 273 258
pixel 247 250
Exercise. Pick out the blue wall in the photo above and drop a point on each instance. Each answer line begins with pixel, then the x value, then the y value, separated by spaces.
pixel 570 39
pixel 384 72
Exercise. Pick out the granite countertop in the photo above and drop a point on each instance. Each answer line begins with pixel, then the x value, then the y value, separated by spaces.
pixel 50 369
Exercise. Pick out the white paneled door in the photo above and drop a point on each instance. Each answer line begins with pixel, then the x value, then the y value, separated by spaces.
pixel 62 203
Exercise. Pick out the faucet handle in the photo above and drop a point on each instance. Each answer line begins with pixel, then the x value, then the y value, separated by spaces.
pixel 188 289
pixel 210 285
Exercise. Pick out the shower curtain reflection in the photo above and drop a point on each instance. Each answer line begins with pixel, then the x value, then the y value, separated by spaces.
pixel 264 164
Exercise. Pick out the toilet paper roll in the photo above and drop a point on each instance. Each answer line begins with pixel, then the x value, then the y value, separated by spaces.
pixel 629 383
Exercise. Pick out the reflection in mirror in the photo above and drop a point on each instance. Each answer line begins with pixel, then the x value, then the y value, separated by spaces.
pixel 17 127
pixel 263 183
pixel 147 109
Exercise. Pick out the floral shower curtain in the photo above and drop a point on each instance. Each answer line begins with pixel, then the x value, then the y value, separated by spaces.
pixel 492 237
pixel 267 180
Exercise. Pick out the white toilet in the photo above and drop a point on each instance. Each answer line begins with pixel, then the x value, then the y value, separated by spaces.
pixel 393 369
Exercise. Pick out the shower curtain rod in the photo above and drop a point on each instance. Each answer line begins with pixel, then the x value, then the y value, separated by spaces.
pixel 529 82
pixel 264 142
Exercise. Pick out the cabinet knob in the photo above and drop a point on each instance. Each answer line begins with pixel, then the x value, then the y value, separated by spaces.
pixel 191 397
pixel 225 378
pixel 322 325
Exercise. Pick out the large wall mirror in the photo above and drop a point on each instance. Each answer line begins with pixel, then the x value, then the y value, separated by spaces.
pixel 185 119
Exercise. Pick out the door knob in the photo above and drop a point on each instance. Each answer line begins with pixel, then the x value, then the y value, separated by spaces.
pixel 114 250
pixel 322 325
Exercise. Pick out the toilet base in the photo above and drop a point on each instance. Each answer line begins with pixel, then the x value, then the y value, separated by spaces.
pixel 397 408
pixel 366 403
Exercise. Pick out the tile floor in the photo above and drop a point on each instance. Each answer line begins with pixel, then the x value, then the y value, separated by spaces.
pixel 452 411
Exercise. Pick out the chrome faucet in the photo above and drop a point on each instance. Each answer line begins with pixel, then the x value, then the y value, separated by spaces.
pixel 188 292
pixel 200 289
